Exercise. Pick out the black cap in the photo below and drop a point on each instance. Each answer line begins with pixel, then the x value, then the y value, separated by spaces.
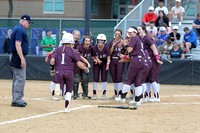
pixel 27 17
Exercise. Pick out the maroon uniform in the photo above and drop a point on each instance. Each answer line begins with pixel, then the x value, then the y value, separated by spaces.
pixel 116 68
pixel 77 43
pixel 102 55
pixel 148 65
pixel 64 65
pixel 135 69
pixel 155 70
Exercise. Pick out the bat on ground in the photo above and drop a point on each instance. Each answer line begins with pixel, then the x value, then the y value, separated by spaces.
pixel 119 107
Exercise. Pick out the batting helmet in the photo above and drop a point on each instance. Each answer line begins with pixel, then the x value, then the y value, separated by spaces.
pixel 68 38
pixel 101 37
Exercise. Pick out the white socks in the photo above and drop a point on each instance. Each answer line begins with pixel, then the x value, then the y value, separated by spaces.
pixel 144 88
pixel 119 87
pixel 126 88
pixel 95 86
pixel 67 99
pixel 155 88
pixel 138 91
pixel 53 87
pixel 115 86
pixel 104 86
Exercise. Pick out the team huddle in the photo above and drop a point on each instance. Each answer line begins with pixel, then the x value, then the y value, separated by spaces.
pixel 69 66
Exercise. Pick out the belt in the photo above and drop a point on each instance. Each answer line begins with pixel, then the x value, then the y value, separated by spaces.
pixel 139 56
pixel 115 57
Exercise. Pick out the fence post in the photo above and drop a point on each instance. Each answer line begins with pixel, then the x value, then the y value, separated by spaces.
pixel 87 16
pixel 60 28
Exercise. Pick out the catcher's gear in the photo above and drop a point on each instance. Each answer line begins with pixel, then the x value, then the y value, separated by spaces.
pixel 87 70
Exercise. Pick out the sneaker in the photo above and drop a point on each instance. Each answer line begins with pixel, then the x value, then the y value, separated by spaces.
pixel 118 99
pixel 103 97
pixel 18 104
pixel 54 98
pixel 66 110
pixel 86 97
pixel 144 100
pixel 154 99
pixel 24 102
pixel 75 97
pixel 94 97
pixel 133 102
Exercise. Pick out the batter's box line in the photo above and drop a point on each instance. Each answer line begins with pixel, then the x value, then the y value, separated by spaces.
pixel 47 114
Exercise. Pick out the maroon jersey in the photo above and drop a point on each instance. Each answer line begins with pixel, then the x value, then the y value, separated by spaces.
pixel 77 43
pixel 117 50
pixel 65 61
pixel 86 53
pixel 103 54
pixel 137 46
pixel 148 42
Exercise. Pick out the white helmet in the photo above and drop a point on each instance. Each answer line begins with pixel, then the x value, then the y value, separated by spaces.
pixel 68 38
pixel 101 37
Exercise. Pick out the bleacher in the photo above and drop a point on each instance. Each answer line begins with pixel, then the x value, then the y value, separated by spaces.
pixel 194 53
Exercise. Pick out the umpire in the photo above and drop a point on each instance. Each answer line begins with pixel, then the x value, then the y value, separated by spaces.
pixel 19 47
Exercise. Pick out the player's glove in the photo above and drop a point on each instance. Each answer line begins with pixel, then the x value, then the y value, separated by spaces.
pixel 87 70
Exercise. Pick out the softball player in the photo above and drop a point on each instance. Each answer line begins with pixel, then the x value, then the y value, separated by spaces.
pixel 64 59
pixel 101 52
pixel 76 35
pixel 116 68
pixel 153 76
pixel 79 75
pixel 135 69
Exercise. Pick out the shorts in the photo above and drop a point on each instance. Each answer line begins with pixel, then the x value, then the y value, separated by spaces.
pixel 193 45
pixel 175 19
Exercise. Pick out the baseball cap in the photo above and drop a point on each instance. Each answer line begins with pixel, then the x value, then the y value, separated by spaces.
pixel 177 42
pixel 27 17
pixel 178 1
pixel 132 30
pixel 151 8
pixel 162 29
pixel 175 27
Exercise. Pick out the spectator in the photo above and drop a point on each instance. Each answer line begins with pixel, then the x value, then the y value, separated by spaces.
pixel 175 35
pixel 162 18
pixel 76 34
pixel 150 16
pixel 168 29
pixel 161 8
pixel 166 47
pixel 6 45
pixel 161 38
pixel 176 14
pixel 190 39
pixel 152 30
pixel 48 43
pixel 196 25
pixel 176 52
pixel 93 38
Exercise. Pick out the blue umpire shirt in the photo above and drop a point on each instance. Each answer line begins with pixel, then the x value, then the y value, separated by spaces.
pixel 161 37
pixel 18 34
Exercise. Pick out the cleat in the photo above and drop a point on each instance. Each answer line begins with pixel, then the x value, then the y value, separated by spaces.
pixel 154 99
pixel 86 97
pixel 133 102
pixel 144 100
pixel 118 99
pixel 66 110
pixel 103 97
pixel 54 98
pixel 94 97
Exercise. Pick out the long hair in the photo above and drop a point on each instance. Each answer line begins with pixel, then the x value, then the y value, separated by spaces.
pixel 144 28
pixel 85 38
pixel 165 19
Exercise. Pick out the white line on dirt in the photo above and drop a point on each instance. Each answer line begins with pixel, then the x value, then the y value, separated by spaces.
pixel 163 103
pixel 42 115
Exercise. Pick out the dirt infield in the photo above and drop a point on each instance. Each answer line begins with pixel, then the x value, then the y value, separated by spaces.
pixel 178 111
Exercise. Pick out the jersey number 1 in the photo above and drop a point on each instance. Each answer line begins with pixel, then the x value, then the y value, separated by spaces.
pixel 63 58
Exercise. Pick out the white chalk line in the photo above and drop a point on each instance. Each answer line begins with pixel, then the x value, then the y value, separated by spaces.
pixel 42 115
pixel 167 103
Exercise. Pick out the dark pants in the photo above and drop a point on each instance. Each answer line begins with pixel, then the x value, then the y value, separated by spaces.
pixel 116 70
pixel 96 71
pixel 154 72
